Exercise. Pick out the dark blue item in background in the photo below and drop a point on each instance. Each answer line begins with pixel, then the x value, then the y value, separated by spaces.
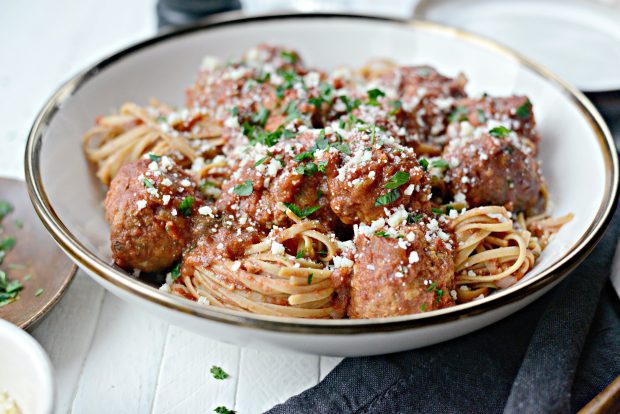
pixel 174 13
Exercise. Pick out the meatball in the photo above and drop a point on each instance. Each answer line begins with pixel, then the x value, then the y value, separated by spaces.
pixel 515 112
pixel 267 89
pixel 370 171
pixel 495 170
pixel 265 176
pixel 226 241
pixel 426 100
pixel 148 207
pixel 402 271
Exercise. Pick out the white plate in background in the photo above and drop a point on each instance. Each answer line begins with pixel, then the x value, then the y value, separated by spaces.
pixel 578 39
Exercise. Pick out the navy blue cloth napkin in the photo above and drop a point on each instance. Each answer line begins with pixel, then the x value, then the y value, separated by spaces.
pixel 551 357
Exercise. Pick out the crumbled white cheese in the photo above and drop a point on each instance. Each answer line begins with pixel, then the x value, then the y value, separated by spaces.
pixel 277 248
pixel 141 204
pixel 414 257
pixel 340 261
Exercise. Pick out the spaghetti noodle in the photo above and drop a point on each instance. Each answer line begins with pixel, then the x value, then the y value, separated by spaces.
pixel 136 131
pixel 495 252
pixel 273 282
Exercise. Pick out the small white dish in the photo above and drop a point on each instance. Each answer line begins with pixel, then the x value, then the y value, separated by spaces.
pixel 578 39
pixel 578 157
pixel 25 371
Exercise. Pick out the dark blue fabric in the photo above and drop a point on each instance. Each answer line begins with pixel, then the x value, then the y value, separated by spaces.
pixel 552 357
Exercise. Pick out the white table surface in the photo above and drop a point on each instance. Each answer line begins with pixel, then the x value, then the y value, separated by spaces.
pixel 109 356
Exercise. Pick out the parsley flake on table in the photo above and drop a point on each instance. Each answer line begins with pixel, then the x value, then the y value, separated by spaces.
pixel 219 373
pixel 398 179
pixel 244 189
pixel 223 410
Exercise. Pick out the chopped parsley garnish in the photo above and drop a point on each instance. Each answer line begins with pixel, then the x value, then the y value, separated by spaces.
pixel 319 194
pixel 414 219
pixel 5 209
pixel 290 57
pixel 398 179
pixel 321 142
pixel 176 271
pixel 439 293
pixel 263 77
pixel 423 307
pixel 388 198
pixel 459 114
pixel 342 147
pixel 423 163
pixel 351 105
pixel 437 210
pixel 223 410
pixel 260 117
pixel 155 158
pixel 301 213
pixel 321 165
pixel 382 234
pixel 396 106
pixel 500 132
pixel 147 183
pixel 440 163
pixel 373 94
pixel 524 110
pixel 307 169
pixel 8 289
pixel 262 160
pixel 218 373
pixel 310 278
pixel 244 189
pixel 306 155
pixel 300 253
pixel 7 244
pixel 39 292
pixel 430 287
pixel 186 206
pixel 482 118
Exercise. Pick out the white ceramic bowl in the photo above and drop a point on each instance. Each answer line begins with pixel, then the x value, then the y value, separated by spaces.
pixel 578 154
pixel 25 371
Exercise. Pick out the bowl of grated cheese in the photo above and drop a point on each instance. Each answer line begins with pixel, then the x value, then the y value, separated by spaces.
pixel 26 382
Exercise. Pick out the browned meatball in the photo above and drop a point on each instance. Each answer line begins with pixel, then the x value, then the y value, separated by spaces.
pixel 148 208
pixel 401 272
pixel 495 170
pixel 426 99
pixel 227 241
pixel 515 112
pixel 266 90
pixel 373 172
pixel 287 172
